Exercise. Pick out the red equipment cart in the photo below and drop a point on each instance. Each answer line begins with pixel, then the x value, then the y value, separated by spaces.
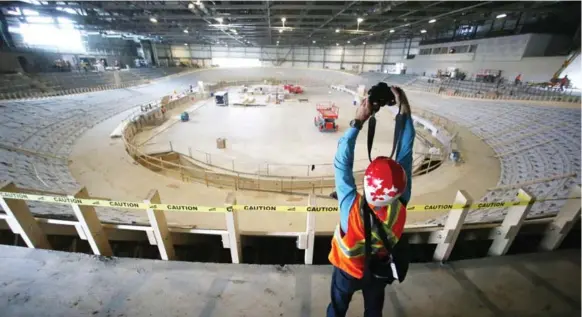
pixel 293 89
pixel 325 121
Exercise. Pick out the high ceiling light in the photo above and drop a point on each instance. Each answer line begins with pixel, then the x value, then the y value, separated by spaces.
pixel 501 16
pixel 190 5
pixel 336 44
pixel 391 31
pixel 277 42
pixel 360 20
pixel 422 31
pixel 283 19
pixel 280 30
pixel 314 42
pixel 186 44
pixel 337 30
pixel 364 43
pixel 348 42
pixel 432 21
pixel 234 31
pixel 153 20
pixel 220 20
pixel 198 2
pixel 186 31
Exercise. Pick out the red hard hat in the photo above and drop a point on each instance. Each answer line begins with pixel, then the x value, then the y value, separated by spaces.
pixel 384 181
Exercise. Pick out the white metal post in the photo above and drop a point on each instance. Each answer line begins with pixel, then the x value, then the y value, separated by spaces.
pixel 506 233
pixel 91 226
pixel 160 227
pixel 563 222
pixel 310 231
pixel 21 221
pixel 453 225
pixel 234 242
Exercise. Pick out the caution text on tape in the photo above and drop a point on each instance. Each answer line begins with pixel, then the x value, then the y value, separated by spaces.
pixel 196 208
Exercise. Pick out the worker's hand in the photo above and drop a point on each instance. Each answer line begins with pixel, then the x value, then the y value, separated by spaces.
pixel 364 111
pixel 401 99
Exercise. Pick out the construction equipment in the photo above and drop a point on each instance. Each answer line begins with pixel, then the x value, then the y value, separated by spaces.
pixel 325 120
pixel 221 98
pixel 293 89
pixel 555 80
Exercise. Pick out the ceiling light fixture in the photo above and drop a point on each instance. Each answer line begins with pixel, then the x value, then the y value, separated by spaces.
pixel 423 31
pixel 364 43
pixel 337 30
pixel 391 31
pixel 313 42
pixel 153 20
pixel 348 42
pixel 186 31
pixel 190 5
pixel 336 44
pixel 280 30
pixel 432 21
pixel 283 19
pixel 198 2
pixel 220 20
pixel 186 44
pixel 360 20
pixel 501 16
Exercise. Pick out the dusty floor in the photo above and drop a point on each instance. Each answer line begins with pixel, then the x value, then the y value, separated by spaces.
pixel 277 139
pixel 103 165
pixel 50 283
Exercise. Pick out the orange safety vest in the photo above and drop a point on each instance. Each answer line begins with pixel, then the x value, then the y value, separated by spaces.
pixel 348 250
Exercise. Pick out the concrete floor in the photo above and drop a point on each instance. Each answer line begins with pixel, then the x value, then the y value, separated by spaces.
pixel 50 283
pixel 277 139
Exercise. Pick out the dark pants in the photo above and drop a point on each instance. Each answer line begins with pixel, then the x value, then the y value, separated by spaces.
pixel 343 287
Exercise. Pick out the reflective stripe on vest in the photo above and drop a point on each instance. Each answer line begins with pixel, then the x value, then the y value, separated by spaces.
pixel 358 249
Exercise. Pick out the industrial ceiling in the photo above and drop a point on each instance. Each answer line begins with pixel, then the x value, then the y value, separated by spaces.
pixel 261 23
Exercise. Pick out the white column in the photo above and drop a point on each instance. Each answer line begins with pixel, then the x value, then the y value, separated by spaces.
pixel 453 225
pixel 160 227
pixel 310 231
pixel 505 234
pixel 559 228
pixel 91 226
pixel 21 221
pixel 232 226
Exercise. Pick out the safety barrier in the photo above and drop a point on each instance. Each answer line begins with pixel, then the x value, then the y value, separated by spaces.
pixel 88 226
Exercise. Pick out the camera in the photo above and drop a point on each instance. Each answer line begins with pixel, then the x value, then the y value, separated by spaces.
pixel 381 95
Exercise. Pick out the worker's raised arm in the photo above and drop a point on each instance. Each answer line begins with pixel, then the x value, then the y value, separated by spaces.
pixel 406 144
pixel 343 164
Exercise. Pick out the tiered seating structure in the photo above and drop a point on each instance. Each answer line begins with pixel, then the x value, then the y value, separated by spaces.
pixel 20 86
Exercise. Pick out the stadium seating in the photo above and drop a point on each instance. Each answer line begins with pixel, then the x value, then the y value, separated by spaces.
pixel 533 143
pixel 18 86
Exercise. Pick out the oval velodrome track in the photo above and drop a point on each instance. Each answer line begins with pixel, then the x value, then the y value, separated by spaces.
pixel 61 143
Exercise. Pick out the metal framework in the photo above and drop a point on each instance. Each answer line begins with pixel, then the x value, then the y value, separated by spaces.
pixel 260 23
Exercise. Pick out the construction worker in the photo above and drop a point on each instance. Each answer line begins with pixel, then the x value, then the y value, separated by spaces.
pixel 564 82
pixel 517 80
pixel 387 185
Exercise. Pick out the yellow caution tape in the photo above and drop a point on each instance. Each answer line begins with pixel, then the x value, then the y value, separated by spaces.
pixel 196 208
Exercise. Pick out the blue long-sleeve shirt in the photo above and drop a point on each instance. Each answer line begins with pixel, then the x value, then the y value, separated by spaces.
pixel 345 184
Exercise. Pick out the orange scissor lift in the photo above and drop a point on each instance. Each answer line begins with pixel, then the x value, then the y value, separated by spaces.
pixel 325 121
